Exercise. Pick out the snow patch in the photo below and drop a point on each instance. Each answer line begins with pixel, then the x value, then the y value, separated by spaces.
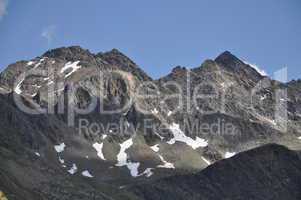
pixel 271 121
pixel 86 173
pixel 50 82
pixel 39 63
pixel 266 119
pixel 30 63
pixel 18 87
pixel 104 136
pixel 60 148
pixel 62 161
pixel 260 71
pixel 34 94
pixel 155 111
pixel 263 97
pixel 206 161
pixel 69 65
pixel 98 147
pixel 157 134
pixel 73 169
pixel 148 172
pixel 37 154
pixel 181 137
pixel 122 158
pixel 155 148
pixel 169 113
pixel 299 138
pixel 229 154
pixel 226 85
pixel 165 164
pixel 133 167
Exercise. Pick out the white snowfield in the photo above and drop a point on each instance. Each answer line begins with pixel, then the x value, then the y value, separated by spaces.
pixel 60 148
pixel 86 173
pixel 181 137
pixel 70 65
pixel 122 158
pixel 73 169
pixel 229 154
pixel 98 147
pixel 155 148
pixel 165 164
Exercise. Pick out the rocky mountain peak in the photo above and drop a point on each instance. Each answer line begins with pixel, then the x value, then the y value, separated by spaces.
pixel 179 69
pixel 116 57
pixel 228 60
pixel 71 53
pixel 231 63
pixel 119 60
pixel 225 54
pixel 116 52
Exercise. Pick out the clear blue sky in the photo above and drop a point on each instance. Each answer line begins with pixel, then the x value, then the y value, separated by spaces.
pixel 157 34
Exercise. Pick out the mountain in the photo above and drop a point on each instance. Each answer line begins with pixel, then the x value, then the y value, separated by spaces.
pixel 267 172
pixel 80 125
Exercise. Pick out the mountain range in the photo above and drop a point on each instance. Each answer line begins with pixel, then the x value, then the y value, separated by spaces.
pixel 80 125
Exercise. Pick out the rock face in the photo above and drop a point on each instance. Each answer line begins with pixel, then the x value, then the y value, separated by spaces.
pixel 78 125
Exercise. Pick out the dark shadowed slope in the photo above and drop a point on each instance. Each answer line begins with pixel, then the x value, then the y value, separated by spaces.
pixel 268 172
